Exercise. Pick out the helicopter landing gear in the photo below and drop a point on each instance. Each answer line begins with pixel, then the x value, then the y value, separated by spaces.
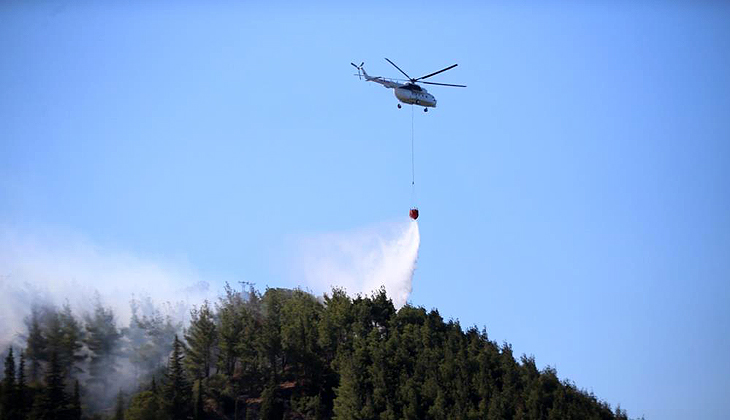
pixel 425 109
pixel 399 107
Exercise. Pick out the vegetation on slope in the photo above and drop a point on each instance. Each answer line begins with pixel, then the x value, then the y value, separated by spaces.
pixel 283 354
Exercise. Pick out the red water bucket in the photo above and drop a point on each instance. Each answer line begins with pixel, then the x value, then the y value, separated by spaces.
pixel 413 213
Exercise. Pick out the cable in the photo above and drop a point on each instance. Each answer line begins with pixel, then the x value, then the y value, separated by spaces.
pixel 413 160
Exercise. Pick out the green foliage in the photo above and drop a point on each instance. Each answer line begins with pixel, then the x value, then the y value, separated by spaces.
pixel 36 348
pixel 69 342
pixel 145 405
pixel 21 397
pixel 270 406
pixel 287 354
pixel 102 338
pixel 300 316
pixel 119 406
pixel 201 337
pixel 269 338
pixel 198 411
pixel 178 393
pixel 54 331
pixel 232 319
pixel 149 338
pixel 51 404
pixel 9 408
pixel 353 400
pixel 74 409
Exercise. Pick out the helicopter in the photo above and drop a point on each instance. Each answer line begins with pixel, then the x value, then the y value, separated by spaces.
pixel 410 92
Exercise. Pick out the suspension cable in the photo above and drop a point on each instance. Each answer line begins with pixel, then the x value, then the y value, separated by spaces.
pixel 413 160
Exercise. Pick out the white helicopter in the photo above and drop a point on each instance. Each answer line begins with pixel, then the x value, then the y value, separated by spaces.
pixel 409 92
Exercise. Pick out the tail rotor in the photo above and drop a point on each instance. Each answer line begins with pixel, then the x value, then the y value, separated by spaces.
pixel 359 69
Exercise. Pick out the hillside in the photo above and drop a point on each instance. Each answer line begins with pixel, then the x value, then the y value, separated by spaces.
pixel 280 354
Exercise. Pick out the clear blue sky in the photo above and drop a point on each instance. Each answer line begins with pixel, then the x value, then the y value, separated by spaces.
pixel 575 197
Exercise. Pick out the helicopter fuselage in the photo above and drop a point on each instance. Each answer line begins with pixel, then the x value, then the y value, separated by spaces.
pixel 414 95
pixel 411 92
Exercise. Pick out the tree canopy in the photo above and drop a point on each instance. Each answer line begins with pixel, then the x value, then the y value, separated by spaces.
pixel 280 354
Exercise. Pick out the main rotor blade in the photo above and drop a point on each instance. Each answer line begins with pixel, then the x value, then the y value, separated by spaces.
pixel 442 84
pixel 353 65
pixel 409 77
pixel 435 73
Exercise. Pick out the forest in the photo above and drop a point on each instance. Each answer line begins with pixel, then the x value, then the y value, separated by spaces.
pixel 281 354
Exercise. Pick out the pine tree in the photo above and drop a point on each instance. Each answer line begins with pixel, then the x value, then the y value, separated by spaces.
pixel 35 344
pixel 354 393
pixel 71 342
pixel 145 405
pixel 198 409
pixel 148 336
pixel 351 359
pixel 334 323
pixel 101 339
pixel 201 338
pixel 230 330
pixel 74 410
pixel 299 335
pixel 51 403
pixel 270 410
pixel 63 335
pixel 9 400
pixel 270 337
pixel 178 392
pixel 22 393
pixel 119 407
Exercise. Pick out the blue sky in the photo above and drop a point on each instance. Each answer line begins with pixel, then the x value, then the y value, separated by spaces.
pixel 575 198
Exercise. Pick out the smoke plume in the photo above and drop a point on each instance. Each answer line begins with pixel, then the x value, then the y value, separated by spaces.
pixel 61 268
pixel 362 261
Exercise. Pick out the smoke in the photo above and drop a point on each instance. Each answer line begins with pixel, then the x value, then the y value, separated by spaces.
pixel 362 261
pixel 61 268
pixel 49 270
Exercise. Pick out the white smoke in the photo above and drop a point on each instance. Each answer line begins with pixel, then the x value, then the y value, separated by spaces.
pixel 62 268
pixel 59 268
pixel 362 261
